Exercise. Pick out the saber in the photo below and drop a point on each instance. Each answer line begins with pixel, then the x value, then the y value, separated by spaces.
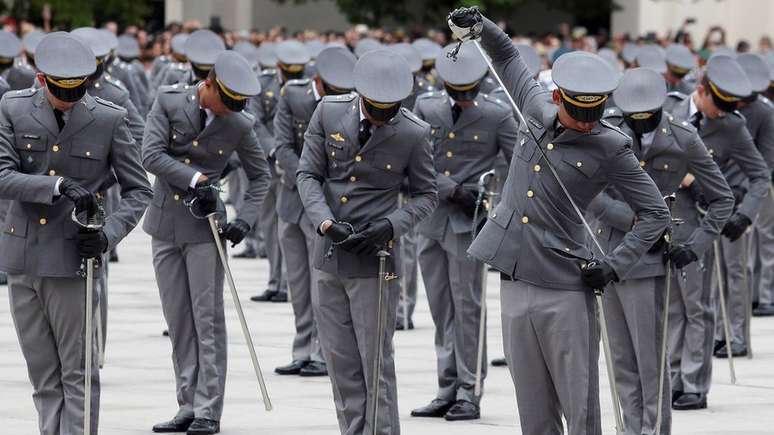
pixel 592 236
pixel 380 320
pixel 240 313
pixel 722 301
pixel 403 278
pixel 100 347
pixel 89 224
pixel 747 296
pixel 483 182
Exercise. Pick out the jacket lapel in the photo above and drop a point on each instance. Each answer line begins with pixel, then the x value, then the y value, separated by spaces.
pixel 80 117
pixel 191 109
pixel 44 114
pixel 444 113
pixel 467 117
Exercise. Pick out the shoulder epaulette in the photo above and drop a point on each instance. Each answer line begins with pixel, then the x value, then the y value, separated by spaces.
pixel 739 114
pixel 268 72
pixel 678 95
pixel 344 98
pixel 430 95
pixel 413 118
pixel 173 89
pixel 22 93
pixel 766 101
pixel 298 82
pixel 680 123
pixel 108 103
pixel 250 117
pixel 114 82
pixel 614 128
pixel 494 100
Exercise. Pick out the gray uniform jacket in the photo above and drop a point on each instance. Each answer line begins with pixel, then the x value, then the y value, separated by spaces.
pixel 19 76
pixel 760 123
pixel 39 236
pixel 462 152
pixel 534 234
pixel 731 145
pixel 264 106
pixel 296 106
pixel 107 88
pixel 4 87
pixel 132 76
pixel 339 180
pixel 676 150
pixel 176 146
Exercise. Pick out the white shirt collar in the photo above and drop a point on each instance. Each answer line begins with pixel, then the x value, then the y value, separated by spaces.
pixel 648 137
pixel 692 106
pixel 360 108
pixel 210 114
pixel 317 96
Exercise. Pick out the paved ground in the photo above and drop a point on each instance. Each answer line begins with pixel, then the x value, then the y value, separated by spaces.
pixel 138 386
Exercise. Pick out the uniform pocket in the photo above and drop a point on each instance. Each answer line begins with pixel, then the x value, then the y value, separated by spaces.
pixel 90 159
pixel 583 164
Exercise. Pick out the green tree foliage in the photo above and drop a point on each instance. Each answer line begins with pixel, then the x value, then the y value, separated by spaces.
pixel 67 14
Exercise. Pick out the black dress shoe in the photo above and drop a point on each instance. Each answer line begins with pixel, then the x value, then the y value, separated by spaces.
pixel 676 395
pixel 3 278
pixel 499 362
pixel 736 349
pixel 313 369
pixel 690 401
pixel 463 410
pixel 764 310
pixel 202 426
pixel 113 256
pixel 264 297
pixel 280 297
pixel 165 333
pixel 249 252
pixel 177 424
pixel 719 344
pixel 293 368
pixel 436 408
pixel 400 325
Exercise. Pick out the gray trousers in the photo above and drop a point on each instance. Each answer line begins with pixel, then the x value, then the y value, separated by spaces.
pixel 737 290
pixel 551 342
pixel 49 316
pixel 346 313
pixel 634 311
pixel 408 257
pixel 190 280
pixel 237 181
pixel 453 285
pixel 691 326
pixel 268 225
pixel 762 253
pixel 298 246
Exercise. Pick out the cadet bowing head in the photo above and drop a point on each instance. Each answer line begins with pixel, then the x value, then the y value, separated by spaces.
pixel 335 69
pixel 461 76
pixel 230 83
pixel 723 85
pixel 65 63
pixel 584 82
pixel 383 79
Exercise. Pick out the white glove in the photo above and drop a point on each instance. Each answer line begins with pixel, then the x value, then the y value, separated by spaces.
pixel 466 23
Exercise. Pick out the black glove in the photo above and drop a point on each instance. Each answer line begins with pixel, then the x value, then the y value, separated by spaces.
pixel 660 244
pixel 697 194
pixel 338 232
pixel 465 199
pixel 598 274
pixel 681 256
pixel 235 231
pixel 82 198
pixel 207 197
pixel 736 226
pixel 466 23
pixel 370 238
pixel 91 243
pixel 739 194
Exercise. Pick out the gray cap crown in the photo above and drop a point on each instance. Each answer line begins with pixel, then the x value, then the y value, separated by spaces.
pixel 178 43
pixel 365 45
pixel 10 45
pixel 727 78
pixel 629 52
pixel 248 50
pixel 409 53
pixel 267 55
pixel 640 90
pixel 110 37
pixel 203 47
pixel 94 39
pixel 336 66
pixel 470 66
pixel 30 41
pixel 652 57
pixel 756 69
pixel 63 56
pixel 583 73
pixel 314 47
pixel 233 72
pixel 428 50
pixel 383 76
pixel 292 52
pixel 679 57
pixel 128 46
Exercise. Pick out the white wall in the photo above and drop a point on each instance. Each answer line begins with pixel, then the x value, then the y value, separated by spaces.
pixel 742 19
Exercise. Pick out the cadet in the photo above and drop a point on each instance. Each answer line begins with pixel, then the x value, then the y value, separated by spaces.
pixel 759 113
pixel 711 108
pixel 469 130
pixel 428 51
pixel 298 100
pixel 176 56
pixel 52 136
pixel 10 48
pixel 651 57
pixel 358 149
pixel 536 240
pixel 21 75
pixel 191 133
pixel 131 73
pixel 292 56
pixel 667 149
pixel 680 62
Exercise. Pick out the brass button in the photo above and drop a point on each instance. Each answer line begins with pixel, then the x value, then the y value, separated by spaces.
pixel 530 194
pixel 579 164
pixel 193 97
pixel 599 230
pixel 55 148
pixel 12 229
pixel 52 172
pixel 389 166
pixel 642 163
pixel 475 137
pixel 664 130
pixel 525 220
pixel 666 166
pixel 98 195
pixel 358 158
pixel 536 168
pixel 344 199
pixel 29 146
pixel 494 215
pixel 452 135
pixel 432 131
pixel 174 136
pixel 712 152
pixel 43 221
pixel 447 173
pixel 449 154
pixel 566 249
pixel 96 85
pixel 177 197
pixel 300 125
pixel 195 143
pixel 220 152
pixel 88 153
pixel 333 153
pixel 353 178
pixel 550 146
pixel 187 161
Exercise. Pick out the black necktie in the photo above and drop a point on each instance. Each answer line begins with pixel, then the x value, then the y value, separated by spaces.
pixel 365 131
pixel 59 115
pixel 696 119
pixel 456 112
pixel 203 118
